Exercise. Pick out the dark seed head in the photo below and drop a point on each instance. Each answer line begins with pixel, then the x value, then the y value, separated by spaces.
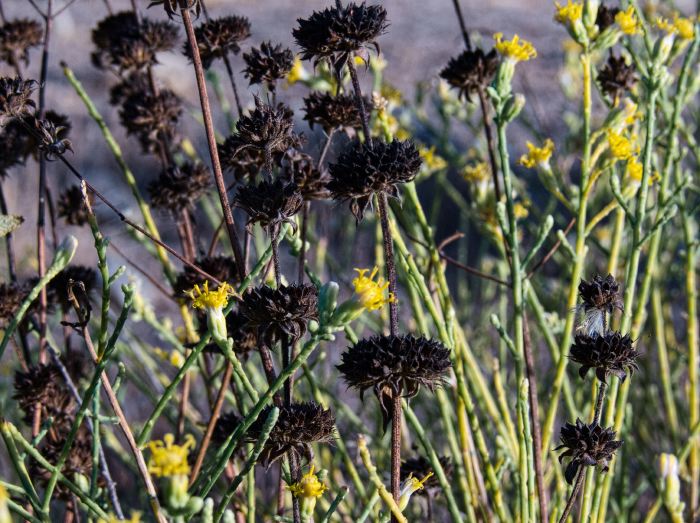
pixel 335 34
pixel 178 188
pixel 11 297
pixel 50 134
pixel 280 312
pixel 219 37
pixel 17 37
pixel 267 129
pixel 269 203
pixel 15 98
pixel 267 64
pixel 586 445
pixel 245 164
pixel 600 293
pixel 44 386
pixel 300 169
pixel 57 290
pixel 616 77
pixel 245 337
pixel 605 17
pixel 334 112
pixel 149 116
pixel 173 7
pixel 610 353
pixel 394 366
pixel 224 427
pixel 298 426
pixel 71 206
pixel 132 84
pixel 14 146
pixel 471 71
pixel 361 172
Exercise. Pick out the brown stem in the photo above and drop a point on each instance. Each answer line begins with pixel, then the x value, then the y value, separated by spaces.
pixel 599 402
pixel 490 144
pixel 462 26
pixel 535 419
pixel 211 140
pixel 580 475
pixel 191 252
pixel 396 419
pixel 216 411
pixel 360 102
pixel 229 71
pixel 302 251
pixel 389 260
pixel 295 472
pixel 274 243
pixel 182 407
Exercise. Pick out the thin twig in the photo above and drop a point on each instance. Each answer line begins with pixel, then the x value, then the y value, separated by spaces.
pixel 551 251
pixel 574 494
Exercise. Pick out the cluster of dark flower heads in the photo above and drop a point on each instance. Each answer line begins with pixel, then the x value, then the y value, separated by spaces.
pixel 394 366
pixel 617 77
pixel 43 386
pixel 218 37
pixel 362 171
pixel 301 170
pixel 471 71
pixel 281 312
pixel 178 188
pixel 586 445
pixel 268 64
pixel 298 426
pixel 335 34
pixel 151 117
pixel 17 37
pixel 334 112
pixel 127 44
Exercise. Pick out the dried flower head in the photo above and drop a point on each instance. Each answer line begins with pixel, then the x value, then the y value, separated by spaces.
pixel 128 44
pixel 420 467
pixel 178 188
pixel 268 129
pixel 610 353
pixel 71 206
pixel 169 459
pixel 586 445
pixel 173 6
pixel 471 71
pixel 616 77
pixel 600 293
pixel 361 171
pixel 268 64
pixel 11 297
pixel 605 17
pixel 336 33
pixel 224 427
pixel 147 116
pixel 15 98
pixel 14 146
pixel 394 366
pixel 44 386
pixel 133 83
pixel 269 203
pixel 17 37
pixel 301 170
pixel 298 426
pixel 57 289
pixel 280 312
pixel 78 461
pixel 223 268
pixel 244 164
pixel 334 112
pixel 50 135
pixel 218 37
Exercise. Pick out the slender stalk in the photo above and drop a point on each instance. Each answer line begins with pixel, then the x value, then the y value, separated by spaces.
pixel 580 475
pixel 232 79
pixel 211 141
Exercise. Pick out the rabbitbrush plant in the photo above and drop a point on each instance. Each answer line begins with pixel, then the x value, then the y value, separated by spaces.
pixel 362 318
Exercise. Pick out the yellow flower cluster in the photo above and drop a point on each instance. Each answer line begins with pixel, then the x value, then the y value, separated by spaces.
pixel 169 459
pixel 371 292
pixel 635 171
pixel 628 21
pixel 205 299
pixel 621 147
pixel 297 72
pixel 111 518
pixel 309 486
pixel 683 27
pixel 477 172
pixel 175 358
pixel 516 50
pixel 432 160
pixel 537 156
pixel 569 13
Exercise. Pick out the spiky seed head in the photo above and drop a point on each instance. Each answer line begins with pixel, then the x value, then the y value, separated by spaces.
pixel 617 77
pixel 17 37
pixel 268 64
pixel 149 116
pixel 269 203
pixel 471 71
pixel 218 37
pixel 610 353
pixel 586 445
pixel 301 170
pixel 334 112
pixel 178 188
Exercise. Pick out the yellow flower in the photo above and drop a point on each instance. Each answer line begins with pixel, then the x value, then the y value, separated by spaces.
pixel 537 156
pixel 515 50
pixel 5 516
pixel 169 459
pixel 628 22
pixel 432 161
pixel 297 73
pixel 477 172
pixel 206 299
pixel 621 147
pixel 111 518
pixel 410 486
pixel 308 486
pixel 371 292
pixel 569 13
pixel 175 358
pixel 520 211
pixel 683 27
pixel 635 172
